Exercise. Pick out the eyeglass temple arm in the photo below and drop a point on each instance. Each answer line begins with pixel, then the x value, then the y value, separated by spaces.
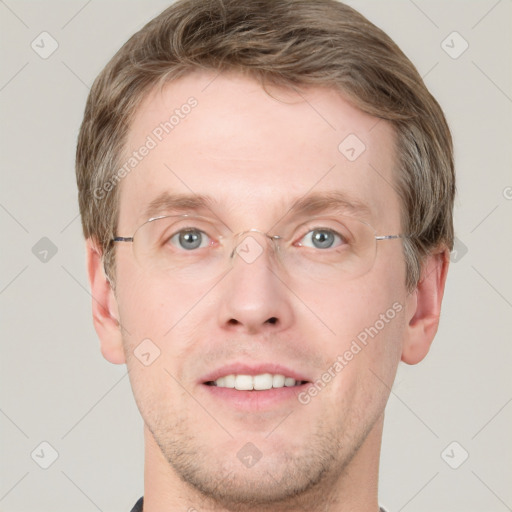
pixel 390 237
pixel 123 239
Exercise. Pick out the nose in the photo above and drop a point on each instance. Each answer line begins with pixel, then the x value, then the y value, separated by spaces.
pixel 255 297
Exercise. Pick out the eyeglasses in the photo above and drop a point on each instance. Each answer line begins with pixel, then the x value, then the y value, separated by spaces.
pixel 196 247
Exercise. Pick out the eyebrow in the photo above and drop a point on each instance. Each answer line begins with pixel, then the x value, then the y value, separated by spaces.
pixel 182 203
pixel 320 202
pixel 310 204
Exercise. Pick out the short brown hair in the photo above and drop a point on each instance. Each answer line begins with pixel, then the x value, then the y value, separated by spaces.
pixel 283 42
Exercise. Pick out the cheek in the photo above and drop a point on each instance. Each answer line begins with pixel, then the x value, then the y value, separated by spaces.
pixel 160 317
pixel 362 327
pixel 367 362
pixel 149 306
pixel 138 307
pixel 159 398
pixel 342 312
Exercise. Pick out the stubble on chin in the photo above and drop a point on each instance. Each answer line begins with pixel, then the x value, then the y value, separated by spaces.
pixel 289 478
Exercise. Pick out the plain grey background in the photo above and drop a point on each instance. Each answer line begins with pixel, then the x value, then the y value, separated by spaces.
pixel 56 388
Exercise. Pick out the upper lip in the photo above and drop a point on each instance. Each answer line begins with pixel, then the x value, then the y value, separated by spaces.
pixel 253 369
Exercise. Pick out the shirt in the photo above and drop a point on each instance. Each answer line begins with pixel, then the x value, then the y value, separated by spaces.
pixel 138 506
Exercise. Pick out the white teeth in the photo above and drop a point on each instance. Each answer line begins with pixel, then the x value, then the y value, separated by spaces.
pixel 289 382
pixel 278 381
pixel 257 382
pixel 263 381
pixel 244 382
pixel 229 381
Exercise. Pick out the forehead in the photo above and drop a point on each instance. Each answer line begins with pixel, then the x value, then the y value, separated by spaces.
pixel 254 152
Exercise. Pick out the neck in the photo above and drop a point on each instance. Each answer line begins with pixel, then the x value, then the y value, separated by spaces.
pixel 354 489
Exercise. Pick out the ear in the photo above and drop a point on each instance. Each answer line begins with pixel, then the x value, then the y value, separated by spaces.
pixel 424 307
pixel 105 312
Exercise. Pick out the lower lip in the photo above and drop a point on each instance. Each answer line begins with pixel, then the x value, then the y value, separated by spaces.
pixel 255 400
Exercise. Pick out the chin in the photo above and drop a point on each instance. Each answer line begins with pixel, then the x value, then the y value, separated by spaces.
pixel 240 474
pixel 266 484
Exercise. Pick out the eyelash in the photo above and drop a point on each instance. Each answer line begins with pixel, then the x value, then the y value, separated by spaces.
pixel 309 229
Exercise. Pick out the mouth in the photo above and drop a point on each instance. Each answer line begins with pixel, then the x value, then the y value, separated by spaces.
pixel 260 382
pixel 254 388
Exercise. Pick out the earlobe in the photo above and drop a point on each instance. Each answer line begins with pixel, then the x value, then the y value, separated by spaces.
pixel 423 308
pixel 104 307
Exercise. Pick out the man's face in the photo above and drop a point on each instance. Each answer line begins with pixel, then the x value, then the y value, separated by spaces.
pixel 256 156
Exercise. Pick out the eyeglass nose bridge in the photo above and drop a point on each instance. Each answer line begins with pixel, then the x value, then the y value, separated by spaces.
pixel 249 249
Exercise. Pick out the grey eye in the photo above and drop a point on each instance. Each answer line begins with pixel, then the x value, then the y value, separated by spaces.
pixel 190 239
pixel 320 239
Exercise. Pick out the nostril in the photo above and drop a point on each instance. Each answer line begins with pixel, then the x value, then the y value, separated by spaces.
pixel 272 320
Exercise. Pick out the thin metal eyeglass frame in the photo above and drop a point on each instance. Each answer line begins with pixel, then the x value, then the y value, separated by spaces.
pixel 272 237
